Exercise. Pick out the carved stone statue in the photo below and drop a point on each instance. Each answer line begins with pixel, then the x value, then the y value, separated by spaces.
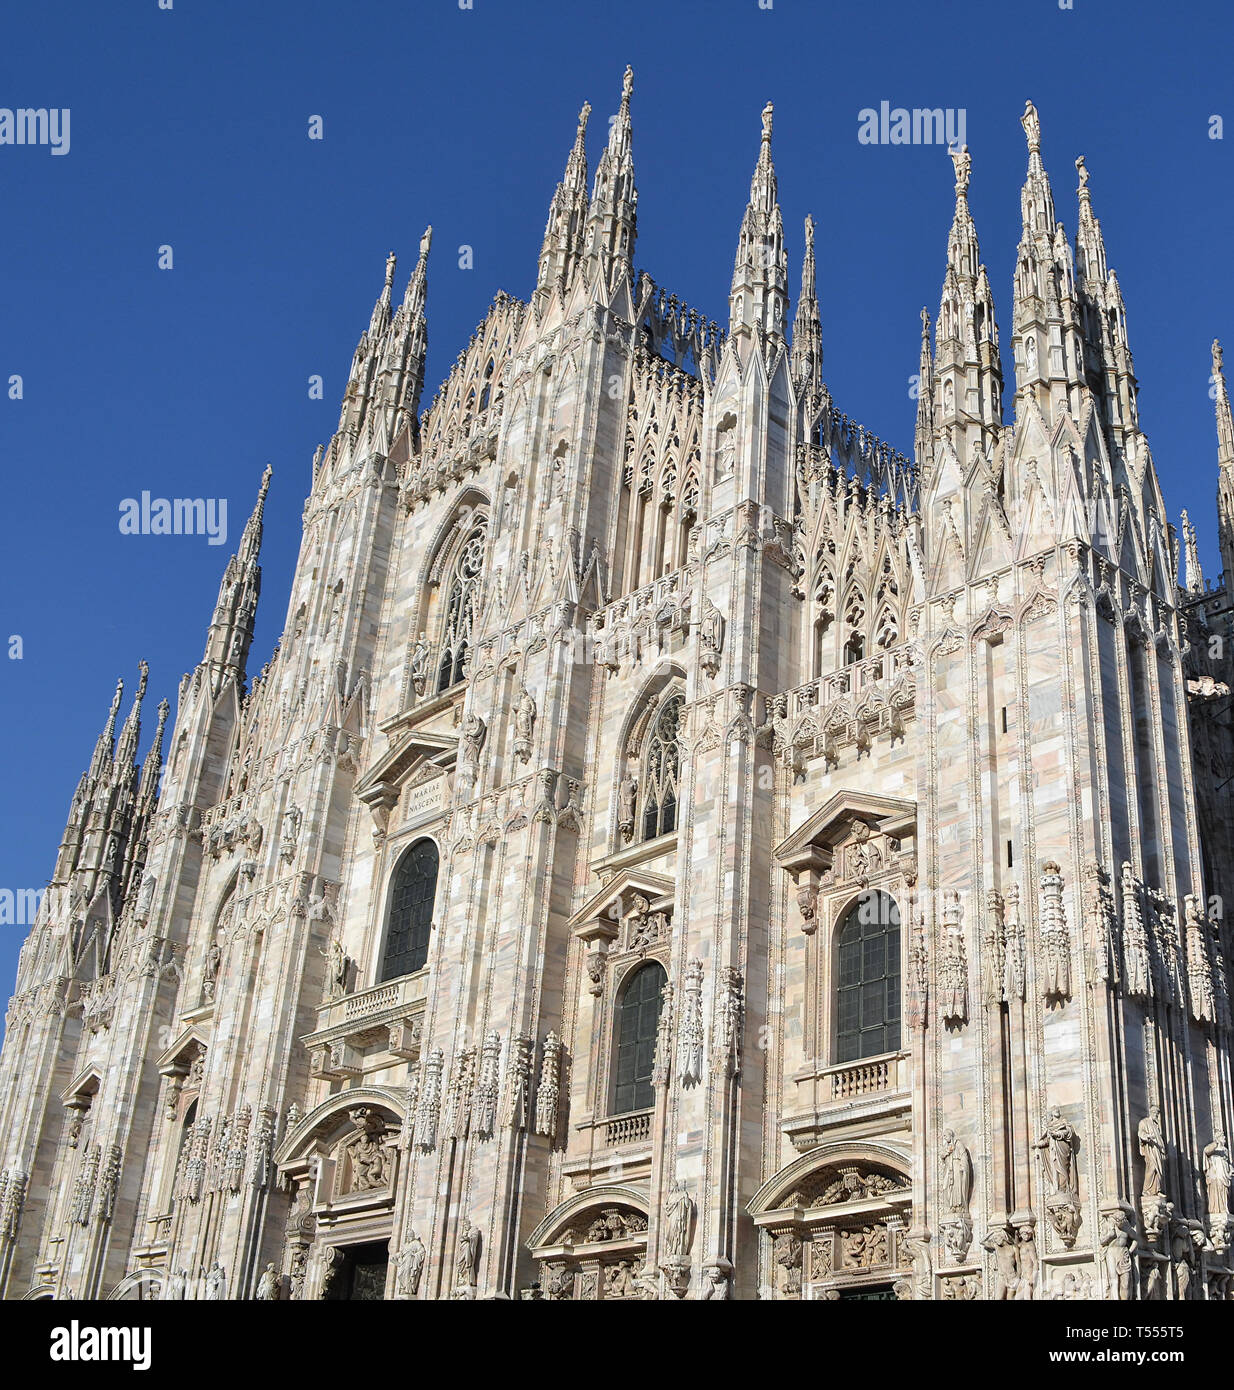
pixel 627 799
pixel 467 1261
pixel 679 1222
pixel 410 1264
pixel 1057 1146
pixel 957 1179
pixel 216 1282
pixel 1120 1245
pixel 473 732
pixel 717 1280
pixel 1006 1263
pixel 1026 1253
pixel 1152 1149
pixel 524 724
pixel 269 1286
pixel 367 1151
pixel 177 1284
pixel 419 664
pixel 1217 1176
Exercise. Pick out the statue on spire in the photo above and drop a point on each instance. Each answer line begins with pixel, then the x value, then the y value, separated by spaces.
pixel 1082 170
pixel 963 162
pixel 1032 127
pixel 767 114
pixel 426 241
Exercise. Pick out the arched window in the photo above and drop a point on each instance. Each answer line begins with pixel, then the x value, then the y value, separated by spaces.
pixel 661 770
pixel 411 912
pixel 462 596
pixel 867 995
pixel 638 1018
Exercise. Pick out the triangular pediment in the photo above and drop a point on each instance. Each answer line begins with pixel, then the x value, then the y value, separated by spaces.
pixel 818 835
pixel 631 880
pixel 403 761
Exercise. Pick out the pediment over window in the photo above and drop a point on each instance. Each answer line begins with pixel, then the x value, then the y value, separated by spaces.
pixel 415 758
pixel 813 845
pixel 631 892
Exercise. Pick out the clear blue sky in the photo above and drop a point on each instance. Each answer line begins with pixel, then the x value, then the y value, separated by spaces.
pixel 189 128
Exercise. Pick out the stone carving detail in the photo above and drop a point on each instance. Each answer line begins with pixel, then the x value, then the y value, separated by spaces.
pixel 1217 1186
pixel 955 1189
pixel 458 1098
pixel 711 637
pixel 485 1106
pixel 1151 1140
pixel 365 1156
pixel 548 1092
pixel 864 1247
pixel 290 835
pixel 109 1180
pixel 787 1253
pixel 1055 935
pixel 613 1223
pixel 419 664
pixel 518 1081
pixel 952 964
pixel 833 1186
pixel 467 1260
pixel 1137 964
pixel 216 1283
pixel 428 1114
pixel 1101 917
pixel 690 1027
pixel 270 1285
pixel 261 1168
pixel 409 1264
pixel 918 971
pixel 994 954
pixel 1056 1148
pixel 678 1238
pixel 662 1059
pixel 524 725
pixel 1199 970
pixel 83 1187
pixel 1119 1244
pixel 627 802
pixel 717 1280
pixel 730 1014
pixel 1013 959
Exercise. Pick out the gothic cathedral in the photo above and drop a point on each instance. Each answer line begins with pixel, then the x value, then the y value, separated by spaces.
pixel 680 847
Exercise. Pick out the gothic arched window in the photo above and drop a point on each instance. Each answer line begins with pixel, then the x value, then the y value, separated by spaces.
pixel 462 597
pixel 867 993
pixel 662 770
pixel 411 912
pixel 638 1019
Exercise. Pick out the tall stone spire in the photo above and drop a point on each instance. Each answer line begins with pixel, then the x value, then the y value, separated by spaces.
pixel 1193 575
pixel 231 628
pixel 759 295
pixel 1225 467
pixel 923 437
pixel 126 748
pixel 807 352
pixel 611 220
pixel 404 368
pixel 967 380
pixel 565 231
pixel 380 320
pixel 152 766
pixel 1046 336
pixel 100 764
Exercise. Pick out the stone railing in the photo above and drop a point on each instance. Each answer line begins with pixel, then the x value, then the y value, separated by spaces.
pixel 628 1129
pixel 883 669
pixel 871 1076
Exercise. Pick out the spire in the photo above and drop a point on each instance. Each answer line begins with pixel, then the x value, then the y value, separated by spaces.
pixel 1046 336
pixel 152 766
pixel 1225 467
pixel 759 296
pixel 923 438
pixel 807 357
pixel 967 377
pixel 614 200
pixel 231 628
pixel 1193 575
pixel 567 218
pixel 381 310
pixel 100 764
pixel 126 749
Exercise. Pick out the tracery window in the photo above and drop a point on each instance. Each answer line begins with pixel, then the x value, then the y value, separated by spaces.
pixel 462 599
pixel 411 912
pixel 638 1018
pixel 867 989
pixel 662 770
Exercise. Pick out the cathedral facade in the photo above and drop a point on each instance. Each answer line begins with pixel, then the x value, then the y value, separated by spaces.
pixel 681 847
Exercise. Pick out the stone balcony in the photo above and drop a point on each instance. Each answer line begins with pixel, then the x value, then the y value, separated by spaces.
pixel 875 1093
pixel 369 1030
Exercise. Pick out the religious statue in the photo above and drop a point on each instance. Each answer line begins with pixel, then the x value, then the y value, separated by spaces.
pixel 1217 1176
pixel 474 730
pixel 410 1265
pixel 1032 126
pixel 1057 1145
pixel 524 724
pixel 717 1280
pixel 1026 1253
pixel 957 1182
pixel 963 162
pixel 216 1281
pixel 177 1285
pixel 467 1261
pixel 419 664
pixel 627 797
pixel 270 1285
pixel 679 1221
pixel 210 975
pixel 337 969
pixel 1006 1263
pixel 1152 1150
pixel 1182 1256
pixel 1120 1246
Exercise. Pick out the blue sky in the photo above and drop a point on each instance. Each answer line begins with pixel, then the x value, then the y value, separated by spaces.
pixel 189 128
